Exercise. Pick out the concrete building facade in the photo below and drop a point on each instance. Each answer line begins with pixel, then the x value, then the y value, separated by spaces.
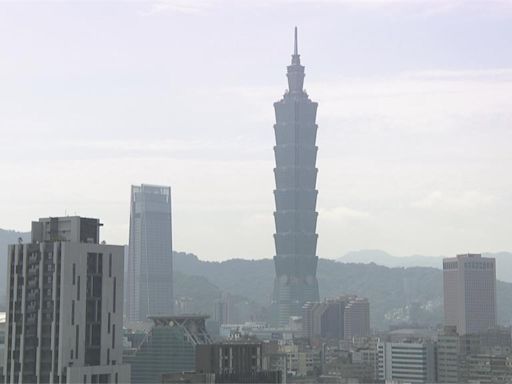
pixel 150 271
pixel 406 362
pixel 342 318
pixel 295 197
pixel 2 346
pixel 448 356
pixel 235 361
pixel 356 318
pixel 222 310
pixel 229 357
pixel 469 293
pixel 65 306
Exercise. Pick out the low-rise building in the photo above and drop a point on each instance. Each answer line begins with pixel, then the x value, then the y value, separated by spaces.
pixel 297 360
pixel 342 318
pixel 188 377
pixel 486 369
pixel 169 347
pixel 407 362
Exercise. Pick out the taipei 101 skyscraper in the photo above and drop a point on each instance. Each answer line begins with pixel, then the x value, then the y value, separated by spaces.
pixel 295 196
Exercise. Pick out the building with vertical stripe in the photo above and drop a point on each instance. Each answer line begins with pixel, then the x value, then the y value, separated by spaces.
pixel 65 306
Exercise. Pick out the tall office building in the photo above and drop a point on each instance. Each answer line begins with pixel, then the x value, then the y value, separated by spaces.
pixel 295 197
pixel 65 313
pixel 222 310
pixel 469 293
pixel 356 318
pixel 150 281
pixel 312 314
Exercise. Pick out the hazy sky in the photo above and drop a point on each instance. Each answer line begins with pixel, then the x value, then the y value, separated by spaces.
pixel 415 118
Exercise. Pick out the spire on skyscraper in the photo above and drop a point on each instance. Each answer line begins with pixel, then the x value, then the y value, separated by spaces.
pixel 296 51
pixel 295 70
pixel 295 56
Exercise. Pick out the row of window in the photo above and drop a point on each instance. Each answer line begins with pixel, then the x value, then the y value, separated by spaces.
pixel 469 265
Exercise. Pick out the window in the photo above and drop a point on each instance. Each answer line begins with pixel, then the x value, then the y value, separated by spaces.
pixel 113 336
pixel 74 273
pixel 77 334
pixel 78 288
pixel 110 265
pixel 108 323
pixel 92 263
pixel 96 286
pixel 100 263
pixel 114 296
pixel 73 312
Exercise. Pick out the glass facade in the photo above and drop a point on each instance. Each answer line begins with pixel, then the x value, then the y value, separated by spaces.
pixel 149 281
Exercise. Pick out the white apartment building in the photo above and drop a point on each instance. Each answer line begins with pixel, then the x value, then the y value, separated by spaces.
pixel 65 314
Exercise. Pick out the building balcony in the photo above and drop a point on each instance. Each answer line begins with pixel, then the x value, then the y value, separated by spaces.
pixel 34 258
pixel 32 308
pixel 31 299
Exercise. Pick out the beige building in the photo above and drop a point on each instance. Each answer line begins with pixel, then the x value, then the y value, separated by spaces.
pixel 342 318
pixel 469 293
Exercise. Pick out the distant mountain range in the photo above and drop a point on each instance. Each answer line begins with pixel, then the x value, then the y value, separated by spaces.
pixel 391 289
pixel 503 261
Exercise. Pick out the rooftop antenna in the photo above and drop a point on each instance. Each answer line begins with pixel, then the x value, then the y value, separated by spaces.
pixel 295 56
pixel 296 49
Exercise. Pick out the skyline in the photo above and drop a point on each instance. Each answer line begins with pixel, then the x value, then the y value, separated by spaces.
pixel 118 102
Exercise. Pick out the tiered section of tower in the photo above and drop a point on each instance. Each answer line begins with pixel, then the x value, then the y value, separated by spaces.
pixel 295 198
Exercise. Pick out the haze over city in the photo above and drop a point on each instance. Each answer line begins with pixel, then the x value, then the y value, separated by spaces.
pixel 414 119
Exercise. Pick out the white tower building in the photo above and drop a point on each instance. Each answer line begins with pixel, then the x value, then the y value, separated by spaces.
pixel 65 312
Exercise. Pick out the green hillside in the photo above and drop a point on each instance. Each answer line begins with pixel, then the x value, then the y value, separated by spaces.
pixel 390 290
